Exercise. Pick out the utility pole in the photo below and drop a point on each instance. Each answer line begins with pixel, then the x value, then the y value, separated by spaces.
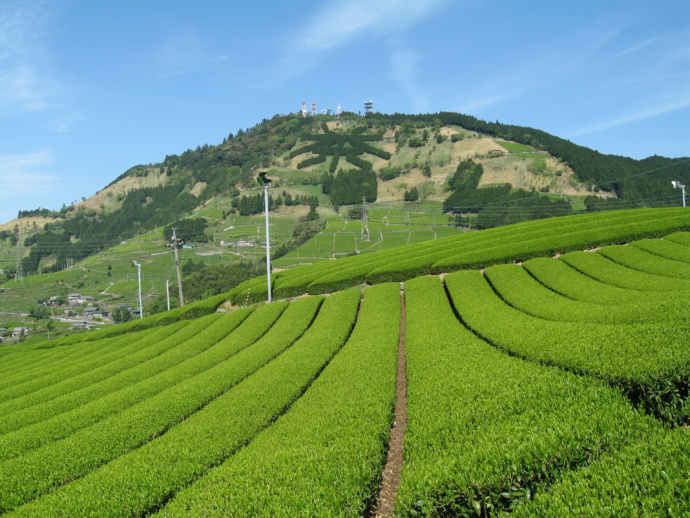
pixel 167 292
pixel 19 272
pixel 263 181
pixel 141 307
pixel 175 244
pixel 365 225
pixel 678 185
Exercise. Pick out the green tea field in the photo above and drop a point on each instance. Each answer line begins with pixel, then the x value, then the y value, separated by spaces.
pixel 539 369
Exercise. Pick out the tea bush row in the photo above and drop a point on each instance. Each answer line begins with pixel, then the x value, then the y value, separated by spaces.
pixel 665 248
pixel 42 379
pixel 325 455
pixel 637 259
pixel 68 389
pixel 43 423
pixel 142 479
pixel 647 477
pixel 603 269
pixel 486 430
pixel 517 242
pixel 146 409
pixel 648 362
pixel 516 287
pixel 560 277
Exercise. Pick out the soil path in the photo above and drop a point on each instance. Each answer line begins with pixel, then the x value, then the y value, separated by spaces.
pixel 391 471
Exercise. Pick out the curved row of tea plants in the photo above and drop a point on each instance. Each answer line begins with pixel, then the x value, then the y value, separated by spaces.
pixel 473 250
pixel 143 479
pixel 561 278
pixel 520 290
pixel 135 349
pixel 187 312
pixel 487 430
pixel 666 247
pixel 638 259
pixel 23 381
pixel 63 396
pixel 144 410
pixel 603 269
pixel 62 416
pixel 649 362
pixel 324 456
pixel 647 477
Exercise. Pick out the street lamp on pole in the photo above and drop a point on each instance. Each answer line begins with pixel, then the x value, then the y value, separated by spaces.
pixel 678 185
pixel 263 181
pixel 141 309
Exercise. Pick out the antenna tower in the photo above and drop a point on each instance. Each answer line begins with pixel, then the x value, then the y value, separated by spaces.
pixel 368 106
pixel 19 272
pixel 365 226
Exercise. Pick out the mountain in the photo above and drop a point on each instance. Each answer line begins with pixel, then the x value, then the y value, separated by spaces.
pixel 422 176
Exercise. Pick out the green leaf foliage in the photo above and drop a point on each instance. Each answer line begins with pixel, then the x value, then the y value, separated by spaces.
pixel 486 430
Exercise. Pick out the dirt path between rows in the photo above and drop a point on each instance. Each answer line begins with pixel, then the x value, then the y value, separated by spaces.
pixel 391 471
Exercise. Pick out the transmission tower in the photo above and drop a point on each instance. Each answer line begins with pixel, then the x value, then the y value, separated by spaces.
pixel 365 226
pixel 19 272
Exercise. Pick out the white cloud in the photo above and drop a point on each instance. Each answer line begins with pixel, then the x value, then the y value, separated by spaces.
pixel 19 176
pixel 657 85
pixel 186 52
pixel 342 22
pixel 21 55
pixel 654 110
pixel 338 23
pixel 404 70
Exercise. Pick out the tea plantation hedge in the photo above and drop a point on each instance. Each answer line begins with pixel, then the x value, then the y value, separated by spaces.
pixel 557 386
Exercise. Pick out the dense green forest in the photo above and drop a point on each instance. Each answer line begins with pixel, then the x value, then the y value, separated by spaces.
pixel 254 204
pixel 496 206
pixel 350 186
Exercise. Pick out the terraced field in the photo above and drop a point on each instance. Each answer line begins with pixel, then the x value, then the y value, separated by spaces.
pixel 556 386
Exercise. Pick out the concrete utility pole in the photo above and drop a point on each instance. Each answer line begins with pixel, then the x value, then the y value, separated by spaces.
pixel 263 181
pixel 19 272
pixel 678 185
pixel 141 307
pixel 175 244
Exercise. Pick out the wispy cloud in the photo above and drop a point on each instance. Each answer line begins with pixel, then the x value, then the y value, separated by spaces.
pixel 342 22
pixel 21 175
pixel 21 55
pixel 657 85
pixel 630 50
pixel 647 112
pixel 556 61
pixel 186 52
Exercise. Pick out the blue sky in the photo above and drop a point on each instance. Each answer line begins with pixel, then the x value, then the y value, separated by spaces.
pixel 89 89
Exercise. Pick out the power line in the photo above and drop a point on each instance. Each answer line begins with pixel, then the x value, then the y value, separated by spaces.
pixel 644 172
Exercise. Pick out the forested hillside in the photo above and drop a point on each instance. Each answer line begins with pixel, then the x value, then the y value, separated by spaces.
pixel 467 173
